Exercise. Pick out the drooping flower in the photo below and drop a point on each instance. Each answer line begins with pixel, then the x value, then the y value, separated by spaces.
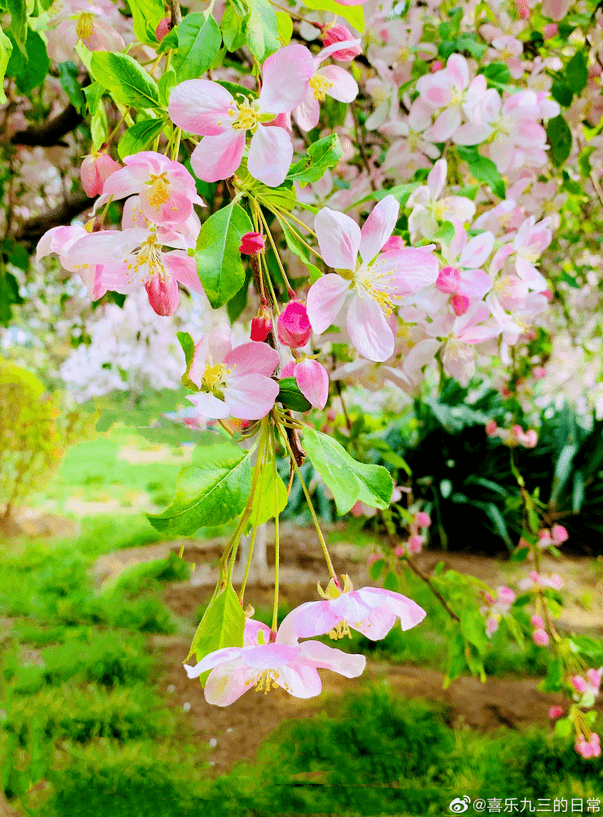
pixel 207 109
pixel 371 610
pixel 59 240
pixel 167 190
pixel 336 33
pixel 264 665
pixel 312 379
pixel 82 21
pixel 294 328
pixel 233 382
pixel 365 291
pixel 252 243
pixel 95 170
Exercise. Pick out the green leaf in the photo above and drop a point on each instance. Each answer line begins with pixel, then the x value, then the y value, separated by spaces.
pixel 401 193
pixel 139 137
pixel 209 493
pixel 322 155
pixel 219 261
pixel 222 625
pixel 146 15
pixel 188 347
pixel 6 48
pixel 293 241
pixel 262 29
pixel 563 468
pixel 199 41
pixel 166 82
pixel 9 295
pixel 446 233
pixel 272 500
pixel 497 73
pixel 564 728
pixel 349 480
pixel 93 93
pixel 69 77
pixel 29 70
pixel 484 170
pixel 570 280
pixel 473 628
pixel 315 273
pixel 18 24
pixel 127 82
pixel 285 26
pixel 353 14
pixel 561 93
pixel 233 28
pixel 559 136
pixel 290 395
pixel 391 582
pixel 576 72
pixel 376 569
pixel 468 42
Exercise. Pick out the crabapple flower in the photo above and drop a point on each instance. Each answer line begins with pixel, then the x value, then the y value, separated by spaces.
pixel 166 189
pixel 330 80
pixel 261 325
pixel 588 748
pixel 264 665
pixel 537 621
pixel 95 170
pixel 312 379
pixel 423 520
pixel 428 209
pixel 252 243
pixel 135 257
pixel 207 109
pixel 460 334
pixel 555 712
pixel 415 543
pixel 540 637
pixel 163 28
pixel 367 291
pixel 371 610
pixel 235 381
pixel 294 328
pixel 81 21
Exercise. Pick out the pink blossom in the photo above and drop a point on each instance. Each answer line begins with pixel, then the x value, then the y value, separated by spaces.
pixel 265 664
pixel 312 379
pixel 579 683
pixel 371 610
pixel 556 9
pixel 399 551
pixel 555 712
pixel 330 80
pixel 559 534
pixel 540 637
pixel 428 208
pixel 506 595
pixel 459 335
pixel 393 243
pixel 135 257
pixel 95 170
pixel 365 292
pixel 550 30
pixel 373 557
pixel 537 621
pixel 336 33
pixel 252 243
pixel 261 325
pixel 59 240
pixel 85 22
pixel 167 190
pixel 594 678
pixel 205 108
pixel 294 328
pixel 491 626
pixel 491 428
pixel 590 748
pixel 233 382
pixel 415 543
pixel 423 520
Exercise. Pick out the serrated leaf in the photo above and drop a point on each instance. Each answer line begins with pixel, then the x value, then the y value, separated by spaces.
pixel 219 261
pixel 564 728
pixel 126 80
pixel 350 481
pixel 233 29
pixel 290 395
pixel 29 70
pixel 6 48
pixel 210 493
pixel 322 155
pixel 562 93
pixel 446 233
pixel 484 170
pixel 222 625
pixel 497 73
pixel 473 628
pixel 18 23
pixel 576 72
pixel 139 137
pixel 69 77
pixel 401 193
pixel 188 347
pixel 315 273
pixel 199 40
pixel 146 15
pixel 353 14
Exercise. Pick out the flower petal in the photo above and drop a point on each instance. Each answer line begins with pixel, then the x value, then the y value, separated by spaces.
pixel 338 238
pixel 286 75
pixel 253 358
pixel 320 655
pixel 378 227
pixel 197 105
pixel 251 396
pixel 368 330
pixel 344 87
pixel 217 157
pixel 326 298
pixel 270 155
pixel 184 269
pixel 209 406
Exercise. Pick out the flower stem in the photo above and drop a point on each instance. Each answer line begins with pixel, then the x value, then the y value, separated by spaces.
pixel 276 545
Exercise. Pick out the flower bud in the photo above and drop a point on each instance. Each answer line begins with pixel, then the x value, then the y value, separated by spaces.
pixel 393 244
pixel 436 65
pixel 559 534
pixel 313 381
pixel 261 324
pixel 459 303
pixel 415 543
pixel 594 678
pixel 423 519
pixel 449 280
pixel 491 427
pixel 163 28
pixel 540 637
pixel 252 243
pixel 95 170
pixel 578 683
pixel 555 712
pixel 399 551
pixel 537 621
pixel 550 30
pixel 339 34
pixel 163 294
pixel 293 325
pixel 506 595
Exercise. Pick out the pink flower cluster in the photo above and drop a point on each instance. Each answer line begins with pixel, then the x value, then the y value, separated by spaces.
pixel 269 660
pixel 556 536
pixel 514 436
pixel 498 605
pixel 91 22
pixel 588 748
pixel 158 214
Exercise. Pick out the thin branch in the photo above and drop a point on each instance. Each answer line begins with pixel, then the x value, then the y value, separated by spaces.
pixel 51 132
pixel 175 13
pixel 33 229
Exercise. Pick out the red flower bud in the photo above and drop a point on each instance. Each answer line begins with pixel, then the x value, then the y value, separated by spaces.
pixel 261 325
pixel 293 325
pixel 163 28
pixel 252 243
pixel 339 34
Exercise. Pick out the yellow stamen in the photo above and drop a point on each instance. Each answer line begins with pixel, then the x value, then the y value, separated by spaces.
pixel 215 374
pixel 160 190
pixel 319 85
pixel 248 116
pixel 85 26
pixel 340 631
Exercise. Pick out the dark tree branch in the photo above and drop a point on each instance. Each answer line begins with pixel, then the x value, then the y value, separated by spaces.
pixel 175 13
pixel 31 231
pixel 50 133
